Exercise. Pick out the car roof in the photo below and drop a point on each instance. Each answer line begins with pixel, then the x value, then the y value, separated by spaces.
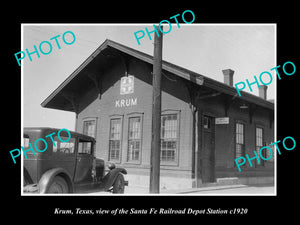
pixel 35 130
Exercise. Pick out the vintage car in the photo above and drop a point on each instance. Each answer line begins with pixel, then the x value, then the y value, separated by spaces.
pixel 66 166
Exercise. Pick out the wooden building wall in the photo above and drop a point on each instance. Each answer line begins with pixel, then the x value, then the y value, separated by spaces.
pixel 175 98
pixel 103 109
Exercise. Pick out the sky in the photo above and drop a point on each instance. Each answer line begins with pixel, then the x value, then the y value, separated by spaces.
pixel 207 49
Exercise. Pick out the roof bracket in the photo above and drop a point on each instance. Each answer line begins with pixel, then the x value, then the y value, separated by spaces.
pixel 193 93
pixel 228 103
pixel 71 97
pixel 96 82
pixel 252 109
pixel 124 61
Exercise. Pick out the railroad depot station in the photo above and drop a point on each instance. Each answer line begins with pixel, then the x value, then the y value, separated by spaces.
pixel 205 125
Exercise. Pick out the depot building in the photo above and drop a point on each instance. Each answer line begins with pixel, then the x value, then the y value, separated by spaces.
pixel 205 125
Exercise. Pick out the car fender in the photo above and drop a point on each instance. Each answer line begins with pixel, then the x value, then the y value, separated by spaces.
pixel 111 176
pixel 48 177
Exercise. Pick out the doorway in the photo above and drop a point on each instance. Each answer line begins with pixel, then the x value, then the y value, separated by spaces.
pixel 208 150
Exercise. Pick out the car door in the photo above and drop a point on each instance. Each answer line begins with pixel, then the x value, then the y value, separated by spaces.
pixel 63 155
pixel 84 162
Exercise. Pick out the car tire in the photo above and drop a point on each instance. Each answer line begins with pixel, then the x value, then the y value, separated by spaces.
pixel 119 185
pixel 58 185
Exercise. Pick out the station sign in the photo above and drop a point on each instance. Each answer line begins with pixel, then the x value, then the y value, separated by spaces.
pixel 127 85
pixel 222 120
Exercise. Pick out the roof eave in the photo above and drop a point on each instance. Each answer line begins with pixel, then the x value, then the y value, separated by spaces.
pixel 181 72
pixel 75 73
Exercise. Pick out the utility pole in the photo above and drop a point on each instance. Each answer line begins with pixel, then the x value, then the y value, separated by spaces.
pixel 156 114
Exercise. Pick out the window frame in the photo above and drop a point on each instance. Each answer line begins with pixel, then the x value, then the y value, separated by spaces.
pixel 262 162
pixel 130 116
pixel 80 147
pixel 243 151
pixel 88 119
pixel 174 162
pixel 109 159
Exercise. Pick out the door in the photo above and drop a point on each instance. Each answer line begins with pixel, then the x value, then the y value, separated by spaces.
pixel 208 150
pixel 84 162
pixel 63 154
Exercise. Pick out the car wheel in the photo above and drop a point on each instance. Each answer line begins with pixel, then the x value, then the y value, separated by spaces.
pixel 58 185
pixel 119 184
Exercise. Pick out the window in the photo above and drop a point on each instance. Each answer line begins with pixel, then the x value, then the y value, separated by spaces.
pixel 64 147
pixel 206 122
pixel 259 143
pixel 84 147
pixel 239 140
pixel 134 139
pixel 26 142
pixel 89 128
pixel 27 145
pixel 169 133
pixel 115 139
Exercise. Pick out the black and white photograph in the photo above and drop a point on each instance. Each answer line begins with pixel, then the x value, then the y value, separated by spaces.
pixel 98 82
pixel 126 113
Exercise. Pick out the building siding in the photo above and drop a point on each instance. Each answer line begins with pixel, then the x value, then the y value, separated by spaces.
pixel 175 98
pixel 93 93
pixel 104 108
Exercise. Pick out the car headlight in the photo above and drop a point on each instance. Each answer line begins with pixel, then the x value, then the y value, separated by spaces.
pixel 111 166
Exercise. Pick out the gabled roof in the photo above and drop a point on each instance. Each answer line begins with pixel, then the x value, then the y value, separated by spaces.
pixel 174 69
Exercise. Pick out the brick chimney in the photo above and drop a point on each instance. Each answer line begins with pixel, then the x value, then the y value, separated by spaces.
pixel 263 91
pixel 228 76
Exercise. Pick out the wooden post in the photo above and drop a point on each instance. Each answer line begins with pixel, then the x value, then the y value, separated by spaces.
pixel 156 115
